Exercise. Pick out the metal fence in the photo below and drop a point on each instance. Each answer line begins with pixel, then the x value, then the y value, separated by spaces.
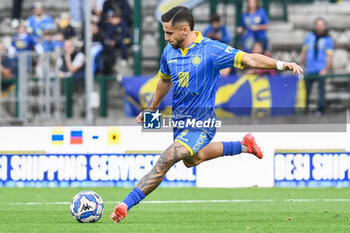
pixel 34 91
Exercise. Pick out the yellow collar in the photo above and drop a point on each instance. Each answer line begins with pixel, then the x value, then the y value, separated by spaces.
pixel 199 37
pixel 198 40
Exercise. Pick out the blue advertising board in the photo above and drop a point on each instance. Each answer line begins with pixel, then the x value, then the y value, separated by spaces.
pixel 312 169
pixel 86 170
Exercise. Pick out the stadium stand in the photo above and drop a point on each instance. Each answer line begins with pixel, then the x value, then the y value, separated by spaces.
pixel 285 40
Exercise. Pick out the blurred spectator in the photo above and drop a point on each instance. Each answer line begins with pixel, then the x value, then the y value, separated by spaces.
pixel 16 12
pixel 104 57
pixel 47 41
pixel 77 12
pixel 23 41
pixel 254 25
pixel 39 21
pixel 8 70
pixel 216 31
pixel 97 7
pixel 117 37
pixel 316 56
pixel 46 63
pixel 64 26
pixel 117 7
pixel 58 42
pixel 77 8
pixel 72 63
pixel 98 35
pixel 258 48
pixel 8 66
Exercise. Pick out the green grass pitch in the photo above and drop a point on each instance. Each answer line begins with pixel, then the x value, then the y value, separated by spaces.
pixel 242 210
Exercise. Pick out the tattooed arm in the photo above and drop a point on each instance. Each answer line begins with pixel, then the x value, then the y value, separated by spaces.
pixel 170 156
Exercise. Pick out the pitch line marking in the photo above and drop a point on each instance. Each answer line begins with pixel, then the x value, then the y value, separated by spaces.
pixel 194 201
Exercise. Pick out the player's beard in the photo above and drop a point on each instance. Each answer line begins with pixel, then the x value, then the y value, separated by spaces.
pixel 177 44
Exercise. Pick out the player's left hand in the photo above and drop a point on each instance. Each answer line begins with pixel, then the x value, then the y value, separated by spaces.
pixel 139 118
pixel 294 67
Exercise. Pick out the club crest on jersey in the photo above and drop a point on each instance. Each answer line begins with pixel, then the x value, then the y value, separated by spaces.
pixel 196 60
pixel 229 49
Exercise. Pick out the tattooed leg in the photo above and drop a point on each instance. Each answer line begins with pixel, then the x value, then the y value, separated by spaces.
pixel 170 156
pixel 150 182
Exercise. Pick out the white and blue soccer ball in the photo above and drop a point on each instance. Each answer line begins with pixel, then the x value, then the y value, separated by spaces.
pixel 87 206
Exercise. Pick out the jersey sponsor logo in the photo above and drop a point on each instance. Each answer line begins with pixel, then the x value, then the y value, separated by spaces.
pixel 229 49
pixel 257 20
pixel 172 61
pixel 183 79
pixel 20 44
pixel 322 44
pixel 196 60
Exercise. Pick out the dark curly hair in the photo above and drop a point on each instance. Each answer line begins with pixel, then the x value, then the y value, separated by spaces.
pixel 178 14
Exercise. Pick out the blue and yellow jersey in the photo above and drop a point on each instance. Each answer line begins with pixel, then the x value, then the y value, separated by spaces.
pixel 259 17
pixel 317 60
pixel 194 73
pixel 23 42
pixel 40 24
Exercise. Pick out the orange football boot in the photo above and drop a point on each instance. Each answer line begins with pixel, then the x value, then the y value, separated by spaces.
pixel 119 212
pixel 251 145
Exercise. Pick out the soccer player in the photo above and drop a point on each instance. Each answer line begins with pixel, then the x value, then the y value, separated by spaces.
pixel 191 64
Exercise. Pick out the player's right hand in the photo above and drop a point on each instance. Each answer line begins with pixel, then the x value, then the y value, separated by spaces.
pixel 139 118
pixel 294 67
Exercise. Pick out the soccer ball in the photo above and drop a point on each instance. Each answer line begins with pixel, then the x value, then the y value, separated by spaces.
pixel 87 206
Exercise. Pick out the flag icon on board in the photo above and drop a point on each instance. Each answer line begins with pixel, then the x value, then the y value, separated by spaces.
pixel 113 136
pixel 76 137
pixel 57 137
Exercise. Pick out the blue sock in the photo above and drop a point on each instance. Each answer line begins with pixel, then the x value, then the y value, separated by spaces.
pixel 232 148
pixel 134 197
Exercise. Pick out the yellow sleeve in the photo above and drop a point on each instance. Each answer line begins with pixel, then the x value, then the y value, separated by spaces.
pixel 163 76
pixel 329 51
pixel 238 60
